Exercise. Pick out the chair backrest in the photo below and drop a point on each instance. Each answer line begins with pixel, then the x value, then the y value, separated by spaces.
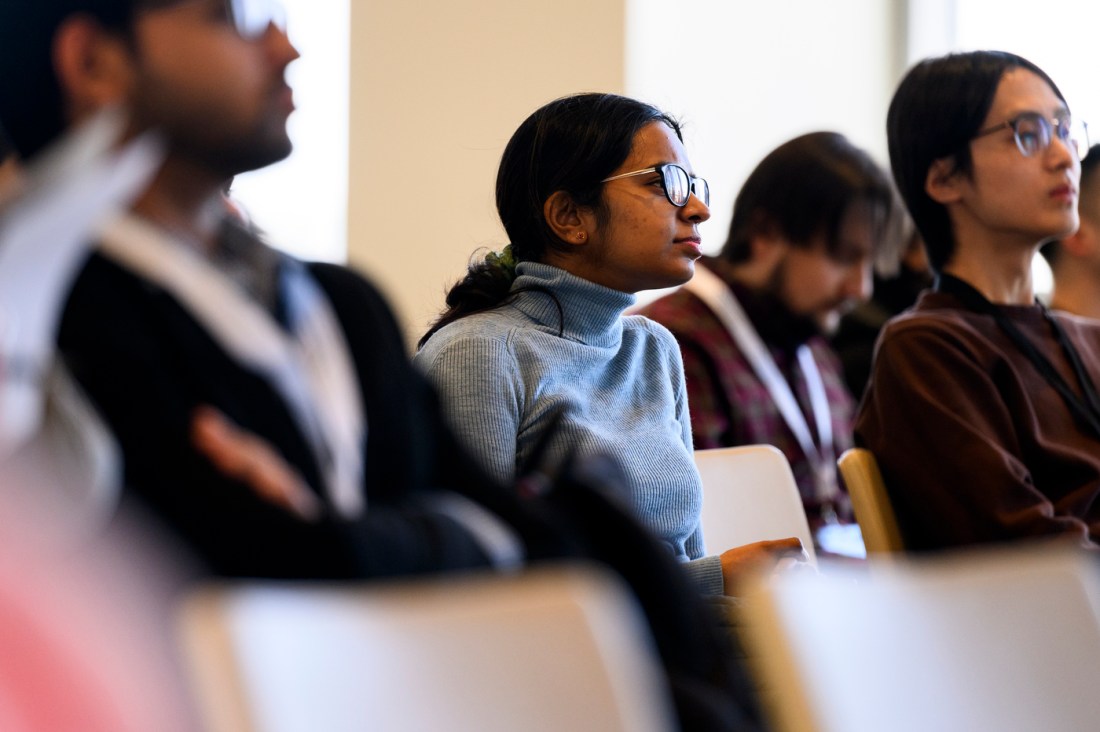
pixel 749 494
pixel 555 648
pixel 962 643
pixel 870 501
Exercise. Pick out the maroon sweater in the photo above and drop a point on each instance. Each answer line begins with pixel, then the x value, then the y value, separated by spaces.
pixel 973 444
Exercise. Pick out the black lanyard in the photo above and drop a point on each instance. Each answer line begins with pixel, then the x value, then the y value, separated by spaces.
pixel 1086 411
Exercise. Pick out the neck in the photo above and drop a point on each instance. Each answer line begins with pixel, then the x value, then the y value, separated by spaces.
pixel 185 200
pixel 1003 275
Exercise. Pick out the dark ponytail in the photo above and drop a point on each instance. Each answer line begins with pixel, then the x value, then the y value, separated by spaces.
pixel 570 144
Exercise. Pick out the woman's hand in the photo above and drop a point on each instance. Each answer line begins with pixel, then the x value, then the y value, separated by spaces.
pixel 760 556
pixel 251 460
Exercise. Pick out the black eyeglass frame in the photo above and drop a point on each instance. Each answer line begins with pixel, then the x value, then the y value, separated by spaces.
pixel 693 182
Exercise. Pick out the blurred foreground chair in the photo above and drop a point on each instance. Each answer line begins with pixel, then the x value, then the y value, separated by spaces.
pixel 749 494
pixel 559 648
pixel 870 501
pixel 992 641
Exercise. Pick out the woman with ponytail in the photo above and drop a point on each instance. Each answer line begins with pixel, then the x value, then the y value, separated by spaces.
pixel 599 201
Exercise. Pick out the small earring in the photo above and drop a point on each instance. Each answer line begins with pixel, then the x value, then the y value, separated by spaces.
pixel 581 236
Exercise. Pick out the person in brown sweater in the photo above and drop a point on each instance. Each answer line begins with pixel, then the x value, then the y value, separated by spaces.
pixel 982 408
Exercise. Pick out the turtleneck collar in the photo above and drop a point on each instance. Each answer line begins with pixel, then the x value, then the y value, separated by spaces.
pixel 590 313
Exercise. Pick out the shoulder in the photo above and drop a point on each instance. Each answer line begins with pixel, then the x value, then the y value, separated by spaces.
pixel 947 326
pixel 679 311
pixel 656 335
pixel 341 282
pixel 476 337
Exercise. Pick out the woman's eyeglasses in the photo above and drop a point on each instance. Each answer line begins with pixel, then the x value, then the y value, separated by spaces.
pixel 675 182
pixel 1034 132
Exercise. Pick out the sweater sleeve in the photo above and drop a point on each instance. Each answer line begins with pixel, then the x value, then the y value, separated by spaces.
pixel 478 384
pixel 705 571
pixel 937 421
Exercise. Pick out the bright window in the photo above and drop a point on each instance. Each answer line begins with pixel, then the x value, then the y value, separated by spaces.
pixel 301 202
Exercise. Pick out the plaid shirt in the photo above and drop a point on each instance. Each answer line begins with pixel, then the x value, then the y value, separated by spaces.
pixel 730 405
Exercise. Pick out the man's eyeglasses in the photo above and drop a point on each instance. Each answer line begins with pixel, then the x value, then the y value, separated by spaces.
pixel 1033 133
pixel 252 18
pixel 675 181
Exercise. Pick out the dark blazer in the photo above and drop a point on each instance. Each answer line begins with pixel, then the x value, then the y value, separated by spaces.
pixel 146 364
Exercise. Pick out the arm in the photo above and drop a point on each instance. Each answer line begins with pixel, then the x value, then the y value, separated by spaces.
pixel 147 367
pixel 937 418
pixel 478 385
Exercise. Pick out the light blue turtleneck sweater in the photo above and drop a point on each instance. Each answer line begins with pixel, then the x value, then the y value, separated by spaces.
pixel 501 375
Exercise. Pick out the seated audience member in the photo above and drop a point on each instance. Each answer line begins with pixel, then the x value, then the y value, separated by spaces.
pixel 155 327
pixel 599 201
pixel 982 409
pixel 855 338
pixel 1075 260
pixel 266 415
pixel 752 323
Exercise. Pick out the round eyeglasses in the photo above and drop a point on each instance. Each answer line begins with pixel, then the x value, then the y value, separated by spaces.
pixel 675 182
pixel 1033 133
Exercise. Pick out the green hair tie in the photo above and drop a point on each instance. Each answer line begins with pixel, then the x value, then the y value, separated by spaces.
pixel 505 259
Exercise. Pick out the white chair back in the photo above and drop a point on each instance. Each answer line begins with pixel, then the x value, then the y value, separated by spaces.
pixel 551 649
pixel 749 494
pixel 1004 641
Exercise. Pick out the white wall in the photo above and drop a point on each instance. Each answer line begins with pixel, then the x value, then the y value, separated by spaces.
pixel 745 77
pixel 438 87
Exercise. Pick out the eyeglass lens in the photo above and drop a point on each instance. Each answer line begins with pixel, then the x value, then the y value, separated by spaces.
pixel 252 18
pixel 679 185
pixel 1033 134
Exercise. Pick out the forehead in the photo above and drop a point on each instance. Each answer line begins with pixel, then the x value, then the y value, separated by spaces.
pixel 1021 90
pixel 653 144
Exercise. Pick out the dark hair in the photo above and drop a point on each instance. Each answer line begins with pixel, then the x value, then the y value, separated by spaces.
pixel 936 111
pixel 802 189
pixel 570 145
pixel 32 109
pixel 1052 250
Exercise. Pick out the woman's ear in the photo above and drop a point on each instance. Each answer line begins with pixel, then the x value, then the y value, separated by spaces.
pixel 942 184
pixel 572 223
pixel 93 65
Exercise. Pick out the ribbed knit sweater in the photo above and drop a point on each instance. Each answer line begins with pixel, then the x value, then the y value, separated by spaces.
pixel 503 373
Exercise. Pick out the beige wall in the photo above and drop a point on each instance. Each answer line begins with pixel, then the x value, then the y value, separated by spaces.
pixel 437 88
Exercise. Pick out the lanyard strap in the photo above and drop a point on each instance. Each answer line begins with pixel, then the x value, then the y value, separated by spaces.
pixel 311 367
pixel 717 296
pixel 1085 411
